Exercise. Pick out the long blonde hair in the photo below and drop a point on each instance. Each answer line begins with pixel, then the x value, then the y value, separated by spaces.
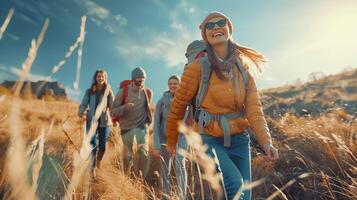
pixel 257 58
pixel 254 56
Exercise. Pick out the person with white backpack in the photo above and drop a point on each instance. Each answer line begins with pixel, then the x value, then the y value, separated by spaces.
pixel 226 104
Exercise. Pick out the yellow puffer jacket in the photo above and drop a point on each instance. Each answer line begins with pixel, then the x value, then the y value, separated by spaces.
pixel 222 97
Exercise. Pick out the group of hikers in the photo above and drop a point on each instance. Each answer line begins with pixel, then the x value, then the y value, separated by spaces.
pixel 216 95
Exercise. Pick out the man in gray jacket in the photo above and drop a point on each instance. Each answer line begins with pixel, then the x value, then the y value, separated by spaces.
pixel 132 106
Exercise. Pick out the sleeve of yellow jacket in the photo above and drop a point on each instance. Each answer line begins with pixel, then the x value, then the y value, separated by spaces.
pixel 255 115
pixel 183 96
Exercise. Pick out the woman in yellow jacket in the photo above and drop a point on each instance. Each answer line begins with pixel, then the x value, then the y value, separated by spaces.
pixel 228 107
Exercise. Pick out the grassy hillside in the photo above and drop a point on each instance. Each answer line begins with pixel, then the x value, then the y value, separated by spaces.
pixel 63 136
pixel 313 124
pixel 314 97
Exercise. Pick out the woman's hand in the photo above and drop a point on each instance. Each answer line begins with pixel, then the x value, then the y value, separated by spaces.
pixel 156 153
pixel 271 152
pixel 83 117
pixel 128 106
pixel 171 150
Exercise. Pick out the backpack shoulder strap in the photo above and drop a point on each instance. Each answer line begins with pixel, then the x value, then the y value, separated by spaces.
pixel 148 93
pixel 244 73
pixel 205 76
pixel 125 94
pixel 165 102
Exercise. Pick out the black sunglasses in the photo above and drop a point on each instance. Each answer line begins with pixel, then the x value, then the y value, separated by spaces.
pixel 220 23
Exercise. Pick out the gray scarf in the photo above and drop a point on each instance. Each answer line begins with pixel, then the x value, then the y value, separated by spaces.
pixel 226 66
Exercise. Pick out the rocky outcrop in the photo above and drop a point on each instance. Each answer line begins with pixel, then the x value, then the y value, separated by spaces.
pixel 39 89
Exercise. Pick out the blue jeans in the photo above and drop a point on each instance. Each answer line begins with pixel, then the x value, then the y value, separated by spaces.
pixel 234 162
pixel 180 168
pixel 98 143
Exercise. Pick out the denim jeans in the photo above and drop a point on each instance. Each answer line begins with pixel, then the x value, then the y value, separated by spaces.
pixel 143 161
pixel 180 168
pixel 234 162
pixel 98 143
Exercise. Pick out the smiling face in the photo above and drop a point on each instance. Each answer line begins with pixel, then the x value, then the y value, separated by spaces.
pixel 139 82
pixel 219 33
pixel 173 85
pixel 100 78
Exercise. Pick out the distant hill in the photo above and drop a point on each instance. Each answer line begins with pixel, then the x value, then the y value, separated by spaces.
pixel 314 97
pixel 39 89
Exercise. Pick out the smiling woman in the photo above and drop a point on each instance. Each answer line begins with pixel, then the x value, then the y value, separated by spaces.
pixel 226 107
pixel 88 108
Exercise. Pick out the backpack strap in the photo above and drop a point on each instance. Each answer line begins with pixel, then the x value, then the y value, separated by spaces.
pixel 205 76
pixel 244 73
pixel 204 118
pixel 148 93
pixel 125 94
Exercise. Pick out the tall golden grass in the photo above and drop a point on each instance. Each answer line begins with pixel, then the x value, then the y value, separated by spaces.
pixel 6 22
pixel 62 116
pixel 16 155
pixel 317 156
pixel 324 147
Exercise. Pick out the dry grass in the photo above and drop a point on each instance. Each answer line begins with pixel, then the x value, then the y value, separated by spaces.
pixel 6 22
pixel 315 97
pixel 324 147
pixel 61 116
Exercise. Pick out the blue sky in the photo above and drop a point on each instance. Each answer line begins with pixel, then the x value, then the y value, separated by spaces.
pixel 298 37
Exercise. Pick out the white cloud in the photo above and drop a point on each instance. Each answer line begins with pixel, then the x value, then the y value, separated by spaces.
pixel 96 21
pixel 95 10
pixel 13 36
pixel 113 24
pixel 191 10
pixel 121 20
pixel 101 16
pixel 25 18
pixel 30 76
pixel 183 8
pixel 168 47
pixel 36 11
pixel 14 73
pixel 73 94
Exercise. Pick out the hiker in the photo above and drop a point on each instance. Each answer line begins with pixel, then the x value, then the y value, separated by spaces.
pixel 132 107
pixel 92 99
pixel 160 151
pixel 226 101
pixel 194 50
